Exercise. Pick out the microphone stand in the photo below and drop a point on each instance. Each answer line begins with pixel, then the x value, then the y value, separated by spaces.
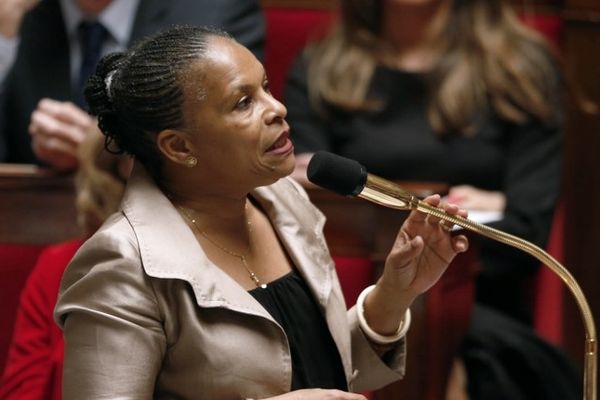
pixel 387 194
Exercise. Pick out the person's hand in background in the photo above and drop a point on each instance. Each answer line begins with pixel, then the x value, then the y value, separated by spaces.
pixel 471 198
pixel 11 15
pixel 57 129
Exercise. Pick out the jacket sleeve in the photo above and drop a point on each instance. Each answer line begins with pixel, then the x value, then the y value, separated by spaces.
pixel 371 371
pixel 114 341
pixel 532 180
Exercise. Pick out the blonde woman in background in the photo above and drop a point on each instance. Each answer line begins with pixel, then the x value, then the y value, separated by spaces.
pixel 454 91
pixel 34 366
pixel 461 92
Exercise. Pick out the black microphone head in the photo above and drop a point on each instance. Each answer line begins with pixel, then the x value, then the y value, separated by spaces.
pixel 339 174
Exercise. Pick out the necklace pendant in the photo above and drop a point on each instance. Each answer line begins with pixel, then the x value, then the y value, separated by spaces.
pixel 263 286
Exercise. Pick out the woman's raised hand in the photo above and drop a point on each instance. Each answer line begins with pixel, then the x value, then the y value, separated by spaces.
pixel 421 253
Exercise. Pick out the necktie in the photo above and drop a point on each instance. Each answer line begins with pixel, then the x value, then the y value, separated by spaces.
pixel 92 35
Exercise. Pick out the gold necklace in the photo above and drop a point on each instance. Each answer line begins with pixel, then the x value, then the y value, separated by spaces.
pixel 241 257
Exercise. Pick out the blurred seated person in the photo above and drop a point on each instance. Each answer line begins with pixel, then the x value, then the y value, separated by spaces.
pixel 35 359
pixel 215 282
pixel 502 359
pixel 48 49
pixel 442 90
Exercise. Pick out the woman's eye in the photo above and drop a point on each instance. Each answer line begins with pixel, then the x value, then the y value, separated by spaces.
pixel 266 86
pixel 243 103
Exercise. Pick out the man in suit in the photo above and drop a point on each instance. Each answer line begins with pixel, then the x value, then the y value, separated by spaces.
pixel 42 58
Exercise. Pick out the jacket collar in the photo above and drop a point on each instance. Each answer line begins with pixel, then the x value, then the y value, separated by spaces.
pixel 169 249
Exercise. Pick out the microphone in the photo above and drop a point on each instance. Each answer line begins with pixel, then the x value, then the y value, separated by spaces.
pixel 349 178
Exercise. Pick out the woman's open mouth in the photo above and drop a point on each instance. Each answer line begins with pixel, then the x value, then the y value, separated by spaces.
pixel 282 145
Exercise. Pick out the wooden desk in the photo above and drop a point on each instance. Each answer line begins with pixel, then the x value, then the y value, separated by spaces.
pixel 358 228
pixel 36 205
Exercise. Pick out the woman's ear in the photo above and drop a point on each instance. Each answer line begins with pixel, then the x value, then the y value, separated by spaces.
pixel 176 146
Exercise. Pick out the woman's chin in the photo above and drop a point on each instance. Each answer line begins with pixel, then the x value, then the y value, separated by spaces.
pixel 280 167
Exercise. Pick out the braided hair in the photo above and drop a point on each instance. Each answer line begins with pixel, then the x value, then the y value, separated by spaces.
pixel 139 93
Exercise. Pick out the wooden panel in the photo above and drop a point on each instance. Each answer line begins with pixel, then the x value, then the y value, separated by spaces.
pixel 585 5
pixel 581 172
pixel 36 206
pixel 537 6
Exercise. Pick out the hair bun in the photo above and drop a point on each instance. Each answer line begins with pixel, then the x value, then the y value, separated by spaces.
pixel 98 91
pixel 99 85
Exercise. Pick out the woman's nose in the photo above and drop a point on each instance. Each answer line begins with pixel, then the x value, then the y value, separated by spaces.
pixel 277 111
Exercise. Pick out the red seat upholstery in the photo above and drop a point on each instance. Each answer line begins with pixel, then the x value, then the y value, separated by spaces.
pixel 355 274
pixel 17 260
pixel 549 25
pixel 288 30
pixel 549 289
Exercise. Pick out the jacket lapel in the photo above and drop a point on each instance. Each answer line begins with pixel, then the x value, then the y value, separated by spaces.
pixel 297 222
pixel 156 234
pixel 300 227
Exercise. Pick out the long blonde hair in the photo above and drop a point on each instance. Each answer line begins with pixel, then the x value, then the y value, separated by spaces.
pixel 100 182
pixel 489 62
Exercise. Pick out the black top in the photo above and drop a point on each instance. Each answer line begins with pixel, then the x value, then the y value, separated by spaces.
pixel 397 142
pixel 316 362
pixel 508 360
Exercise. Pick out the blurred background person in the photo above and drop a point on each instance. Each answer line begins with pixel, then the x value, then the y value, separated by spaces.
pixel 459 92
pixel 34 366
pixel 449 91
pixel 48 49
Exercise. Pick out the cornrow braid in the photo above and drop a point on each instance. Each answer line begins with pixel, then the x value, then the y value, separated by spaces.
pixel 137 94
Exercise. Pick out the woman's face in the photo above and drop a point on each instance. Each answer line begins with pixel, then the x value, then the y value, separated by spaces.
pixel 237 128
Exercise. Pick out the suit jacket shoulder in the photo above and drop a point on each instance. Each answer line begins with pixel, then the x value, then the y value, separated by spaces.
pixel 243 19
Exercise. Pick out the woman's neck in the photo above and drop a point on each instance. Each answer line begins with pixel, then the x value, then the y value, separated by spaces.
pixel 203 194
pixel 222 207
pixel 413 32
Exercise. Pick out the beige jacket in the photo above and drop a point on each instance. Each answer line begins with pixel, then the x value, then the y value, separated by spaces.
pixel 146 314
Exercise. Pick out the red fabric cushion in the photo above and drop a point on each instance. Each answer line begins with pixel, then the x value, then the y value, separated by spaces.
pixel 549 25
pixel 35 357
pixel 355 274
pixel 288 30
pixel 549 289
pixel 17 260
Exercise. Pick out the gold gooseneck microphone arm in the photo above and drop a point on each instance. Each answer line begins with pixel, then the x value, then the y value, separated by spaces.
pixel 385 193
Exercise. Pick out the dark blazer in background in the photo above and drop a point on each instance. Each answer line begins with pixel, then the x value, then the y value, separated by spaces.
pixel 42 66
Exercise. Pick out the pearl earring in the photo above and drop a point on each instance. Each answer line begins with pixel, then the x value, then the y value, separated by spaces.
pixel 191 161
